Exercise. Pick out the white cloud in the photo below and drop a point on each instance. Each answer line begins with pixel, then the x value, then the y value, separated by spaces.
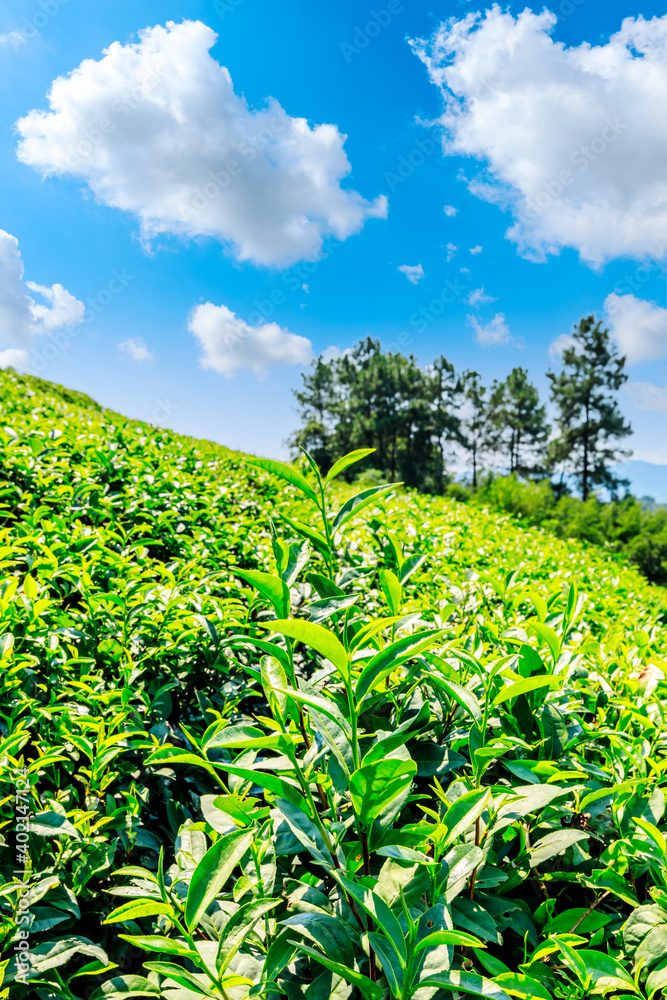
pixel 478 297
pixel 493 333
pixel 21 317
pixel 475 250
pixel 560 344
pixel 136 349
pixel 572 137
pixel 14 357
pixel 14 38
pixel 64 310
pixel 640 327
pixel 647 396
pixel 450 210
pixel 451 250
pixel 333 353
pixel 156 129
pixel 656 456
pixel 413 272
pixel 230 344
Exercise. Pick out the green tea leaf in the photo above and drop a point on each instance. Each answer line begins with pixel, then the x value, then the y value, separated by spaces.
pixel 305 832
pixel 533 683
pixel 392 590
pixel 157 942
pixel 212 872
pixel 463 812
pixel 553 844
pixel 374 786
pixel 357 503
pixel 466 699
pixel 270 587
pixel 459 938
pixel 389 962
pixel 346 461
pixel 521 986
pixel 237 928
pixel 369 989
pixel 138 908
pixel 315 637
pixel 274 684
pixel 286 472
pixel 121 987
pixel 284 787
pixel 466 982
pixel 391 657
pixel 314 536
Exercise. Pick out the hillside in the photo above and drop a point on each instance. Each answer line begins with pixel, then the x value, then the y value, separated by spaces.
pixel 447 769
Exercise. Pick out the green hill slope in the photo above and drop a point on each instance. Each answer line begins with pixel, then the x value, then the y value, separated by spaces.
pixel 136 719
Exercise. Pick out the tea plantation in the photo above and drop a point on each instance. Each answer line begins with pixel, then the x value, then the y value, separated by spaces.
pixel 264 737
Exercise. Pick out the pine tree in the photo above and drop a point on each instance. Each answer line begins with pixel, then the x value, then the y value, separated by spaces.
pixel 477 426
pixel 590 422
pixel 317 400
pixel 369 399
pixel 519 423
pixel 446 396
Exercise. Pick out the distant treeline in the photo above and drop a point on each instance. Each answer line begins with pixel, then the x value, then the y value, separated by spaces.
pixel 412 416
pixel 366 398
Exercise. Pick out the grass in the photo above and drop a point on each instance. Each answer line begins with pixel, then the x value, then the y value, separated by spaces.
pixel 260 737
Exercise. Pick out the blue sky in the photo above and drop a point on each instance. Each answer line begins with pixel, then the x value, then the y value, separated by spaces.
pixel 351 66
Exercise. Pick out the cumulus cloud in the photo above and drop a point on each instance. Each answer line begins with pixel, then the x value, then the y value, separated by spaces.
pixel 493 333
pixel 478 297
pixel 639 327
pixel 155 129
pixel 14 357
pixel 230 344
pixel 571 136
pixel 413 272
pixel 451 250
pixel 64 308
pixel 647 396
pixel 21 317
pixel 136 349
pixel 475 250
pixel 450 210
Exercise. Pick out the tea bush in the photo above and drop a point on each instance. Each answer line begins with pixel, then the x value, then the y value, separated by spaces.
pixel 624 527
pixel 262 735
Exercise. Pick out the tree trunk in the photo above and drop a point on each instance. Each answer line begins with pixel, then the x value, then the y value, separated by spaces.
pixel 584 476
